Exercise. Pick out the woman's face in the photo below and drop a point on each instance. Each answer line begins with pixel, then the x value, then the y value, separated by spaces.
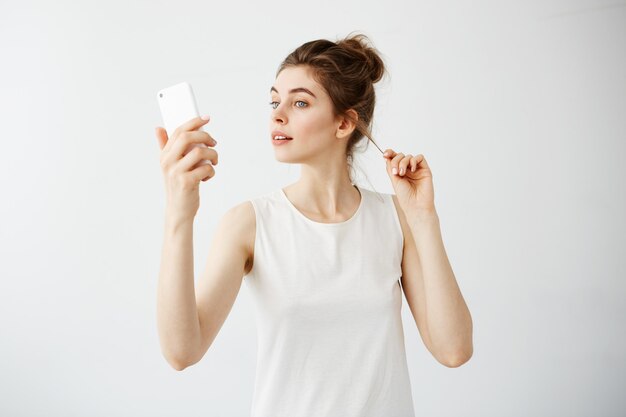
pixel 302 110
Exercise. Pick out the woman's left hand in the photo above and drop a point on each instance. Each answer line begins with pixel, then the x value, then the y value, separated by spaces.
pixel 413 182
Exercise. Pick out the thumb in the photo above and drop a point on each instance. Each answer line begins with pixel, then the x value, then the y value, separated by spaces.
pixel 388 166
pixel 161 135
pixel 392 177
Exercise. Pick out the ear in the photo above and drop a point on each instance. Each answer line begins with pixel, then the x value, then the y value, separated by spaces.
pixel 347 126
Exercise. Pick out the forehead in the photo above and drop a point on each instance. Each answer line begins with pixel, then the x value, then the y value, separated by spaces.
pixel 293 77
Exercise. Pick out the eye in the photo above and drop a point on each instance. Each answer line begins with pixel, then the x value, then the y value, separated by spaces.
pixel 274 104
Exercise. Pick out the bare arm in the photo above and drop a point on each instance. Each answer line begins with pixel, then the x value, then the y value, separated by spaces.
pixel 441 311
pixel 447 316
pixel 177 315
pixel 189 318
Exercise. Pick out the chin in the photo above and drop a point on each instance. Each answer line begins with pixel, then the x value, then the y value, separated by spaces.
pixel 286 159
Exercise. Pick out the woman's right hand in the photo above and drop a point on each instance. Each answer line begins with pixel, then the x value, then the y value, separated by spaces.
pixel 183 165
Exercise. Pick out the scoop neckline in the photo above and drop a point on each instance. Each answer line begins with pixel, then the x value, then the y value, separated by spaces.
pixel 300 214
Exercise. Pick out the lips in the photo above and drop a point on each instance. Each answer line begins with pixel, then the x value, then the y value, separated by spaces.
pixel 279 133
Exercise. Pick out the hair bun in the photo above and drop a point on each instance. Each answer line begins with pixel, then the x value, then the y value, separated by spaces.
pixel 360 45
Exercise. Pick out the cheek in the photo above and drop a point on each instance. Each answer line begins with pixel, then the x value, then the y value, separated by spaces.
pixel 314 125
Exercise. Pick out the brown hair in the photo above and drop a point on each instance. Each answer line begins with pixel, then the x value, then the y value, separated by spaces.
pixel 347 69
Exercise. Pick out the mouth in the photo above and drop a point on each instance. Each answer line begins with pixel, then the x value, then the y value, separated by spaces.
pixel 280 138
pixel 278 141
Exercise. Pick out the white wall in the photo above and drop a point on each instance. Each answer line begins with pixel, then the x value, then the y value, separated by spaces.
pixel 519 107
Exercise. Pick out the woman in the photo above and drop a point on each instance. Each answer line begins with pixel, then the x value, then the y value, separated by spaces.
pixel 323 257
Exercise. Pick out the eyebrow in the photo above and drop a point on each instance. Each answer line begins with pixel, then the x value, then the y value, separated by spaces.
pixel 296 90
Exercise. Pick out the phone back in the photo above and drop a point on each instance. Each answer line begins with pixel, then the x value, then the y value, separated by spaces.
pixel 178 105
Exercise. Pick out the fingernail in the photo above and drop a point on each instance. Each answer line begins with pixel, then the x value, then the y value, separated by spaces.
pixel 205 117
pixel 394 171
pixel 401 171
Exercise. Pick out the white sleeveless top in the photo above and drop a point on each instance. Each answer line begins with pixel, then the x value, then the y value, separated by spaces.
pixel 328 301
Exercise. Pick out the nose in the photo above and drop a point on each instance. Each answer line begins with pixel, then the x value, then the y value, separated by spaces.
pixel 278 115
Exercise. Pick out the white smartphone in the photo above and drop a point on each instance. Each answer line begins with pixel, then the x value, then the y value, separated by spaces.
pixel 178 105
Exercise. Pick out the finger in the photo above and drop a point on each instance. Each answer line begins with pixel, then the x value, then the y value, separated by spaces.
pixel 203 173
pixel 196 157
pixel 189 125
pixel 172 153
pixel 389 153
pixel 183 144
pixel 395 162
pixel 161 135
pixel 421 160
pixel 403 164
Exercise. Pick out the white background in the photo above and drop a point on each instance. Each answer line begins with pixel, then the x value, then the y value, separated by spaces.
pixel 518 106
